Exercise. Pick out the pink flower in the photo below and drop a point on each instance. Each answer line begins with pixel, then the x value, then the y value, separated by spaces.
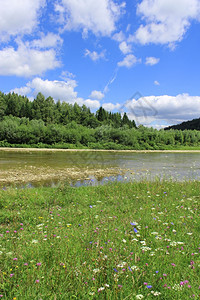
pixel 11 275
pixel 37 281
pixel 39 264
pixel 15 258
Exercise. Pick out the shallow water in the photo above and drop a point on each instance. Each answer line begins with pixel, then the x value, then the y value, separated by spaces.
pixel 135 166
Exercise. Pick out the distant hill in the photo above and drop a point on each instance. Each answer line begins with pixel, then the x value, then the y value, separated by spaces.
pixel 189 125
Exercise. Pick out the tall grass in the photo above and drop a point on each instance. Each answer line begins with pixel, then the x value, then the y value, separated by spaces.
pixel 119 241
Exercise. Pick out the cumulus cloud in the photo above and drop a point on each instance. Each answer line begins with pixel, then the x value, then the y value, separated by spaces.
pixel 97 95
pixel 151 61
pixel 111 106
pixel 19 17
pixel 166 21
pixel 125 48
pixel 50 40
pixel 58 90
pixel 26 62
pixel 171 109
pixel 129 61
pixel 99 16
pixel 93 104
pixel 95 55
pixel 119 37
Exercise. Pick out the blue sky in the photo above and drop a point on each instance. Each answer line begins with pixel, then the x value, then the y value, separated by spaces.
pixel 138 56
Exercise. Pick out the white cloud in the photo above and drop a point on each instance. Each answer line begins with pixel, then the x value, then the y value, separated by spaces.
pixel 26 61
pixel 156 82
pixel 166 21
pixel 111 106
pixel 19 16
pixel 151 61
pixel 93 104
pixel 129 61
pixel 119 37
pixel 94 55
pixel 97 95
pixel 171 109
pixel 125 48
pixel 47 41
pixel 58 90
pixel 99 16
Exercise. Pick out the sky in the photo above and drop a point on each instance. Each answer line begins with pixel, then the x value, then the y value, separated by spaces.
pixel 136 56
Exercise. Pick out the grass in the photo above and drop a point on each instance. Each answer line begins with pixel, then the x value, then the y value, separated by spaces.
pixel 119 241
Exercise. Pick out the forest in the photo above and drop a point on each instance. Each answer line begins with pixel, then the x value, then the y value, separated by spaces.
pixel 191 125
pixel 46 123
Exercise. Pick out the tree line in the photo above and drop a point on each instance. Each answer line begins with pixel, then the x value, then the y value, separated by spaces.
pixel 52 112
pixel 44 123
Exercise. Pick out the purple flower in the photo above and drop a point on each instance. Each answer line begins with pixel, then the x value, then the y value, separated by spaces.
pixel 135 230
pixel 149 286
pixel 115 270
pixel 133 224
pixel 90 206
pixel 130 269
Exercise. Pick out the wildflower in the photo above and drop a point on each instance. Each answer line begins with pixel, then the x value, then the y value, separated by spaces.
pixel 115 270
pixel 37 281
pixel 139 296
pixel 173 265
pixel 39 264
pixel 135 230
pixel 101 289
pixel 149 286
pixel 11 275
pixel 15 258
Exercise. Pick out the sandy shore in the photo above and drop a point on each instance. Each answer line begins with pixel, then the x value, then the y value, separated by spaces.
pixel 93 150
pixel 31 174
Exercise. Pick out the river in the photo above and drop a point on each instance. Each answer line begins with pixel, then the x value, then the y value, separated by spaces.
pixel 33 168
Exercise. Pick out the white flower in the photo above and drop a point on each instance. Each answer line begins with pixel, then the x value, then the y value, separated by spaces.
pixel 96 270
pixel 34 241
pixel 101 289
pixel 139 296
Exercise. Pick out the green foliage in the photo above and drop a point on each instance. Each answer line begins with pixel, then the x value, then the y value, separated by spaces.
pixel 120 241
pixel 189 125
pixel 44 122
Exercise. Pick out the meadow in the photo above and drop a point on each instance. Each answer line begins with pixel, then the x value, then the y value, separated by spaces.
pixel 135 240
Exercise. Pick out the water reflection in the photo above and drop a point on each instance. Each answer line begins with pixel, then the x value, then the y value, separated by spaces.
pixel 136 166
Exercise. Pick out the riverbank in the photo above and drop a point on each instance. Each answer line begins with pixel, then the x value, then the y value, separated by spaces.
pixel 120 241
pixel 95 150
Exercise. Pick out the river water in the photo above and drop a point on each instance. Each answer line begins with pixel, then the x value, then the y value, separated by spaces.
pixel 131 165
